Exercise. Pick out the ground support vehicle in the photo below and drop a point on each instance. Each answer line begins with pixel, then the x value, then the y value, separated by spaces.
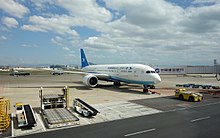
pixel 57 73
pixel 195 86
pixel 182 94
pixel 4 114
pixel 25 115
pixel 55 111
pixel 83 108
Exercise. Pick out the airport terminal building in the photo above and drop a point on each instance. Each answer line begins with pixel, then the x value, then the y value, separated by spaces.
pixel 189 70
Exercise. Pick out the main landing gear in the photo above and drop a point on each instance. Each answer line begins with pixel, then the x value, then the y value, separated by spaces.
pixel 145 89
pixel 117 83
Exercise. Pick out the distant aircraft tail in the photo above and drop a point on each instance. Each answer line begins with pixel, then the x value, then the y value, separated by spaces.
pixel 84 61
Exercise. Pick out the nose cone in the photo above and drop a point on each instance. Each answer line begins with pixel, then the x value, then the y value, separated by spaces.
pixel 157 79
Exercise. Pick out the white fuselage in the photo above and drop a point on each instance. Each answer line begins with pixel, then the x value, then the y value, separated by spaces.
pixel 129 73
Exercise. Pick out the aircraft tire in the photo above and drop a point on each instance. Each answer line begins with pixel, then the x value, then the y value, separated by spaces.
pixel 152 86
pixel 116 83
pixel 145 90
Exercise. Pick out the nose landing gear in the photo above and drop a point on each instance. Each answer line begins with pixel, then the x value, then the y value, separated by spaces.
pixel 145 89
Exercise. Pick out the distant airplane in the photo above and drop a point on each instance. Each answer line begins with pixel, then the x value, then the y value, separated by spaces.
pixel 117 73
pixel 17 73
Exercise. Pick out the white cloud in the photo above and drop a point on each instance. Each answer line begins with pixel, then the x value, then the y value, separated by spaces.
pixel 202 19
pixel 150 28
pixel 42 3
pixel 66 48
pixel 34 28
pixel 147 13
pixel 57 40
pixel 86 8
pixel 206 1
pixel 3 38
pixel 100 43
pixel 13 8
pixel 143 29
pixel 78 8
pixel 60 42
pixel 59 24
pixel 30 45
pixel 160 28
pixel 81 13
pixel 10 22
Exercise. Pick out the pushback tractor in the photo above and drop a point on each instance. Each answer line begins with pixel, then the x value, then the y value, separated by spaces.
pixel 182 94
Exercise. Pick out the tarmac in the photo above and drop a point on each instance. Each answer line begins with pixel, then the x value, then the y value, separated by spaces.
pixel 112 103
pixel 194 122
pixel 26 88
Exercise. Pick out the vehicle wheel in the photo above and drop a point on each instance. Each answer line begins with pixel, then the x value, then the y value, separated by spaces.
pixel 86 113
pixel 191 99
pixel 181 97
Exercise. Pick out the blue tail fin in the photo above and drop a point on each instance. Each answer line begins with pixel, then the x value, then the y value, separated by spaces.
pixel 84 61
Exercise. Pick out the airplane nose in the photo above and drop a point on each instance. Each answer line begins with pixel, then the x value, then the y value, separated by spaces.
pixel 157 79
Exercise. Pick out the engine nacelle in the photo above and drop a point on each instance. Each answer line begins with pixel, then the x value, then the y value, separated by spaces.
pixel 90 80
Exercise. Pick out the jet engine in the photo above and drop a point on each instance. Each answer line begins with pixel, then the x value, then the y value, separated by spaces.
pixel 90 80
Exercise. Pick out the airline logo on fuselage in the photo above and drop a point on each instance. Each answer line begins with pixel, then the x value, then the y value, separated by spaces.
pixel 122 68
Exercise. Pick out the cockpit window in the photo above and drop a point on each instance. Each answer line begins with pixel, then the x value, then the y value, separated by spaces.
pixel 148 71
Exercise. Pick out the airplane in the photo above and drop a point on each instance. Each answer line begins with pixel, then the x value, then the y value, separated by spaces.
pixel 117 73
pixel 17 73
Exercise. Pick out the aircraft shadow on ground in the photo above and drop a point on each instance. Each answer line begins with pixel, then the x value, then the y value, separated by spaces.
pixel 131 89
pixel 125 88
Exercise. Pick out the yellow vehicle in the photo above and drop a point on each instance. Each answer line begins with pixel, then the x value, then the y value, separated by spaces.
pixel 4 114
pixel 182 94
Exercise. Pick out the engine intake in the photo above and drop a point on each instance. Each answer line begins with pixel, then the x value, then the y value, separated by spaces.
pixel 90 80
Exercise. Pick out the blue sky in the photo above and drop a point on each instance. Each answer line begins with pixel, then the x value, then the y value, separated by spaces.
pixel 155 32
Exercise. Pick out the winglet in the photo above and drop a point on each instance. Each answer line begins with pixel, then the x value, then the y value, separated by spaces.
pixel 84 61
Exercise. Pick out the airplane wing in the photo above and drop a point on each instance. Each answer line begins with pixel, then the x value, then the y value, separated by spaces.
pixel 74 72
pixel 79 72
pixel 102 76
pixel 99 76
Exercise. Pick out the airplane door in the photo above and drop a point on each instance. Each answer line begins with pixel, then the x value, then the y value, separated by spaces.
pixel 136 73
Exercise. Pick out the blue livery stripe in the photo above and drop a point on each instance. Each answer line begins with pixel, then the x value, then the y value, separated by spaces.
pixel 114 78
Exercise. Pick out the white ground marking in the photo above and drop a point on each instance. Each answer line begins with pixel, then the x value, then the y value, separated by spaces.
pixel 139 132
pixel 12 125
pixel 39 119
pixel 199 119
pixel 85 120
